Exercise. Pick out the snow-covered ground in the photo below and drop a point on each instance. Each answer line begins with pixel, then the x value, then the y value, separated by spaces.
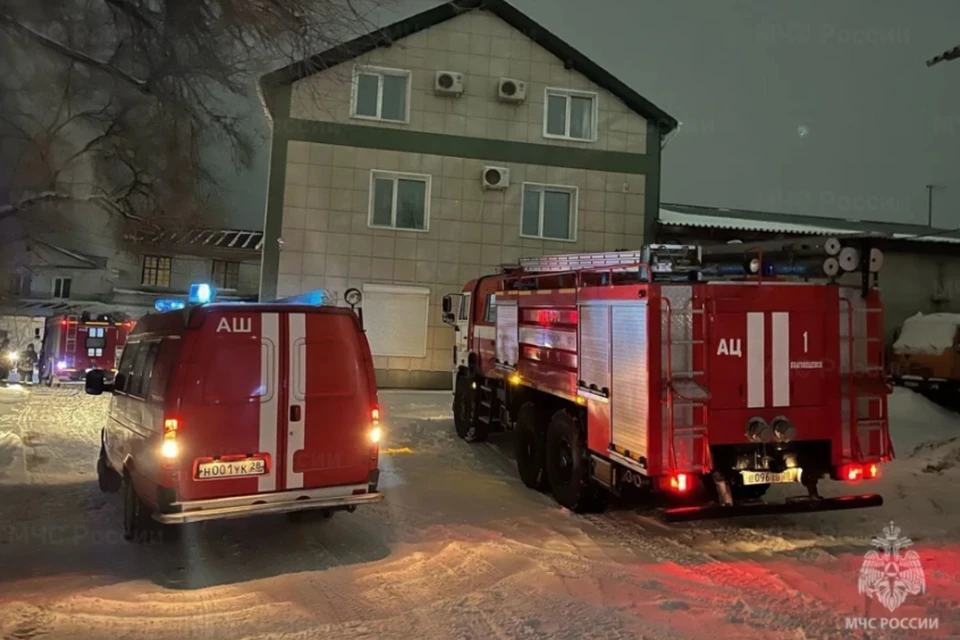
pixel 459 549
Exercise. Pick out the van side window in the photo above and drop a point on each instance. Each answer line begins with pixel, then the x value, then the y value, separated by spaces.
pixel 143 370
pixel 166 358
pixel 491 315
pixel 465 307
pixel 126 365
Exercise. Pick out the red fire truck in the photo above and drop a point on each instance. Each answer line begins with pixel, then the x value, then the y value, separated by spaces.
pixel 75 344
pixel 654 370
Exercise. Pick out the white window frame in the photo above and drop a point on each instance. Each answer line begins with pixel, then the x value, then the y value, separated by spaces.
pixel 379 71
pixel 395 176
pixel 60 279
pixel 568 93
pixel 574 203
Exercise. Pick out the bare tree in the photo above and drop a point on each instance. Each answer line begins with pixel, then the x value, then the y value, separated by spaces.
pixel 113 102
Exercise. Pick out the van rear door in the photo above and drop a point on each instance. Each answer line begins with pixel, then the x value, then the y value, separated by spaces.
pixel 230 409
pixel 331 401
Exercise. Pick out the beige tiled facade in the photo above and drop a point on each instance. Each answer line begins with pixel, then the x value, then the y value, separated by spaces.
pixel 484 49
pixel 327 239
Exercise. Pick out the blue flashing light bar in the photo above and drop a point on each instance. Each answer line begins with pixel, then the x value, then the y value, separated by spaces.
pixel 202 293
pixel 317 297
pixel 169 304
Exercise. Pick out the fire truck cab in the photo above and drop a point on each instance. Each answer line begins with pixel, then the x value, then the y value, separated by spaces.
pixel 652 369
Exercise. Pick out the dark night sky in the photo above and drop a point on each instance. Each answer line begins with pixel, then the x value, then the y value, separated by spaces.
pixel 816 107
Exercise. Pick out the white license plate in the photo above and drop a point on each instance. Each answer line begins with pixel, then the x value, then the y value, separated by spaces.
pixel 767 477
pixel 232 469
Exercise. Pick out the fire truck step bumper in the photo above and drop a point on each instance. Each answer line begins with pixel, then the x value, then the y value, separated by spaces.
pixel 796 505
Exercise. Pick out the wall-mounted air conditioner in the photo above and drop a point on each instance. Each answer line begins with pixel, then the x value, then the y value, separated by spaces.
pixel 495 177
pixel 448 83
pixel 512 91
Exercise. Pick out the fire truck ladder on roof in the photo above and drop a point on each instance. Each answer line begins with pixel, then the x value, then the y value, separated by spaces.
pixel 683 393
pixel 668 261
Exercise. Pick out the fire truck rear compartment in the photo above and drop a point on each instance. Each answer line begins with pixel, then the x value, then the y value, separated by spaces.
pixel 679 383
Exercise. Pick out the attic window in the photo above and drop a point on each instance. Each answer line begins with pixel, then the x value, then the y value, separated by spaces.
pixel 381 94
pixel 570 115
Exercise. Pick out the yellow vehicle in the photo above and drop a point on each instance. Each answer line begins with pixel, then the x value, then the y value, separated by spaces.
pixel 926 354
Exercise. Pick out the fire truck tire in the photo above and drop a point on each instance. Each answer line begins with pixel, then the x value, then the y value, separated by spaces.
pixel 465 418
pixel 109 480
pixel 531 447
pixel 568 464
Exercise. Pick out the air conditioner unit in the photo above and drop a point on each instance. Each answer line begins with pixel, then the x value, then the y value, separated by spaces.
pixel 495 178
pixel 510 90
pixel 448 83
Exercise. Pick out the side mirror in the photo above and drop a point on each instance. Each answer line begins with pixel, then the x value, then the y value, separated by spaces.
pixel 447 306
pixel 119 380
pixel 449 318
pixel 95 382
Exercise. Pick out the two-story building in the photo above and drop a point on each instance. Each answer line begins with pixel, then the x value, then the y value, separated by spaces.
pixel 423 155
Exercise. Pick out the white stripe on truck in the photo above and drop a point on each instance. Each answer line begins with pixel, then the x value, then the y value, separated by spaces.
pixel 269 339
pixel 780 374
pixel 755 358
pixel 297 380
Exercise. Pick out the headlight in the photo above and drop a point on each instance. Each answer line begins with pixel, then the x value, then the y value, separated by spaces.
pixel 375 434
pixel 13 356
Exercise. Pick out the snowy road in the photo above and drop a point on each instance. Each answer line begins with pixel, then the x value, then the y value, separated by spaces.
pixel 459 549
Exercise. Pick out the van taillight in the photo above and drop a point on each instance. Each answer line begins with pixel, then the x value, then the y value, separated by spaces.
pixel 168 449
pixel 375 415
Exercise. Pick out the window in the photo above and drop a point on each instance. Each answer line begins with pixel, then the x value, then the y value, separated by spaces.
pixel 549 212
pixel 381 94
pixel 226 275
pixel 96 340
pixel 571 115
pixel 125 370
pixel 465 307
pixel 19 285
pixel 156 271
pixel 61 287
pixel 491 314
pixel 400 201
pixel 138 382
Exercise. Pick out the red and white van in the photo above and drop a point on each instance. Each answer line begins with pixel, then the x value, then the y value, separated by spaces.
pixel 229 410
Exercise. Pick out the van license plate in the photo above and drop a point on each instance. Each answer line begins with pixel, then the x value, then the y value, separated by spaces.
pixel 232 469
pixel 767 477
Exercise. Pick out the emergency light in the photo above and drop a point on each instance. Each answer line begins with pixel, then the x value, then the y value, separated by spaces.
pixel 201 293
pixel 317 297
pixel 169 304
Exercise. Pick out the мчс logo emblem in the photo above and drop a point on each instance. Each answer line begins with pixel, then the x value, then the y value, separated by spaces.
pixel 889 576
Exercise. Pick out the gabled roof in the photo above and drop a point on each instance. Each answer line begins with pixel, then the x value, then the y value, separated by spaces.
pixel 385 37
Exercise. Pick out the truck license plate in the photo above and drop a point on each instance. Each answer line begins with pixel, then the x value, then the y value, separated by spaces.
pixel 232 469
pixel 767 477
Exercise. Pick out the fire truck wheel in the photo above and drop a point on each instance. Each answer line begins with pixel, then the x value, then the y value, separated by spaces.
pixel 567 463
pixel 465 417
pixel 108 479
pixel 531 443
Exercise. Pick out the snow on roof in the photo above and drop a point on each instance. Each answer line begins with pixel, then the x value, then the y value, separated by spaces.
pixel 929 334
pixel 730 220
pixel 744 224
